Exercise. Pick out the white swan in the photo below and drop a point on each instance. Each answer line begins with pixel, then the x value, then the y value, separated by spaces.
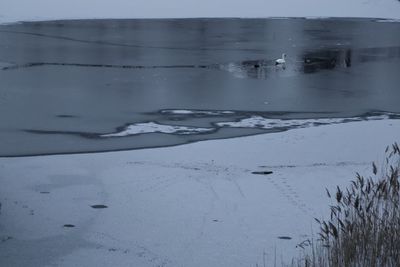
pixel 281 61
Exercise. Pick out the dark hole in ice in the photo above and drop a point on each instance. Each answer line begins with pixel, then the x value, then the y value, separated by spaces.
pixel 284 237
pixel 69 225
pixel 99 206
pixel 44 192
pixel 215 220
pixel 263 172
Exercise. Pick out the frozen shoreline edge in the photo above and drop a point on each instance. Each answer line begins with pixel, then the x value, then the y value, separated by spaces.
pixel 217 140
pixel 307 123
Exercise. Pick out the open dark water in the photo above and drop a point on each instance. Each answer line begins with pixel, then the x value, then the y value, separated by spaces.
pixel 101 85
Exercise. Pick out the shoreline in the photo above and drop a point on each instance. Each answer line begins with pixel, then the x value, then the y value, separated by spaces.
pixel 382 19
pixel 183 9
pixel 209 18
pixel 249 122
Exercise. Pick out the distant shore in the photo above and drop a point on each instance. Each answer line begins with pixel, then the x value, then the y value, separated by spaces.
pixel 18 10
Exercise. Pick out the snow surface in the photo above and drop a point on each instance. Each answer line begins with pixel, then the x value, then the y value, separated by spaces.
pixel 196 112
pixel 28 10
pixel 153 127
pixel 190 205
pixel 267 123
pixel 258 122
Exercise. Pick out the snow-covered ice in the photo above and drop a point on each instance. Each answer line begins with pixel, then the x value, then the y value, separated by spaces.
pixel 189 205
pixel 267 123
pixel 153 127
pixel 196 112
pixel 258 122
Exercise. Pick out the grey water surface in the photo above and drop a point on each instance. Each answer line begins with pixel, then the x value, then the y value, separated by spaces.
pixel 65 85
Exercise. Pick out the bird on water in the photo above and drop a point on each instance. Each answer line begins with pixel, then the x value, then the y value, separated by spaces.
pixel 281 61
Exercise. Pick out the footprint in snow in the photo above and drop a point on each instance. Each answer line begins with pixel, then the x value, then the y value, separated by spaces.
pixel 99 206
pixel 285 237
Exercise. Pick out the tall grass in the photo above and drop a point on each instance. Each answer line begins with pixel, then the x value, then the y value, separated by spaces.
pixel 364 225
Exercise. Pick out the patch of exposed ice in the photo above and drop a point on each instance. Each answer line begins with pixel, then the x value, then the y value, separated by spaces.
pixel 152 127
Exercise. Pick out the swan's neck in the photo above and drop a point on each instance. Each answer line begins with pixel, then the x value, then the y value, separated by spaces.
pixel 283 56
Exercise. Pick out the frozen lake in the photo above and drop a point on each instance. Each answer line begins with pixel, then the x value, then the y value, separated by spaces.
pixel 101 85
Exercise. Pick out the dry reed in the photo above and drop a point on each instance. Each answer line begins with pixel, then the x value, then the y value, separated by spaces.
pixel 364 225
